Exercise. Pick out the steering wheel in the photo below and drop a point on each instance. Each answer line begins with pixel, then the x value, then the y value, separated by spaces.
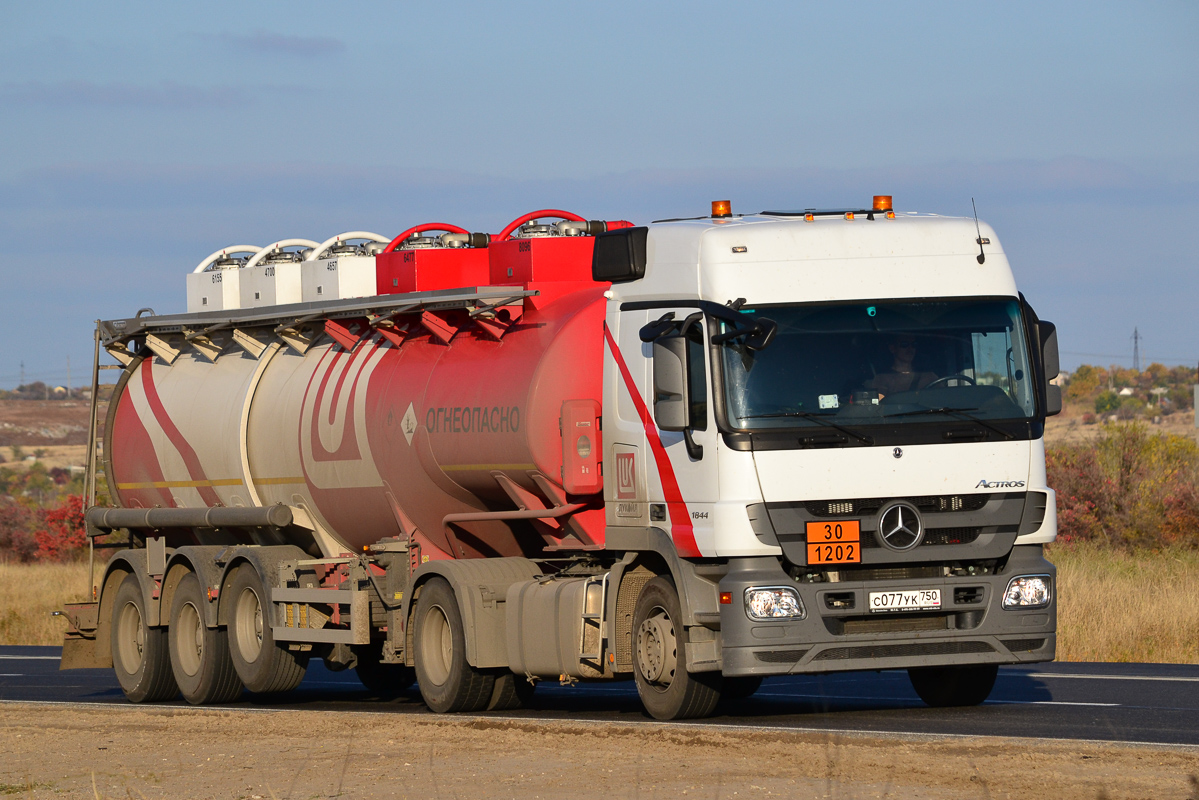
pixel 957 376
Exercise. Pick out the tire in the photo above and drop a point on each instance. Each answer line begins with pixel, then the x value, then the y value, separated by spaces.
pixel 943 687
pixel 447 682
pixel 200 658
pixel 511 691
pixel 667 690
pixel 740 688
pixel 139 652
pixel 383 680
pixel 263 666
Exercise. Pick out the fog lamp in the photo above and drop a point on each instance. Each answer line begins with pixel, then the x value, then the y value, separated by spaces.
pixel 1027 591
pixel 773 603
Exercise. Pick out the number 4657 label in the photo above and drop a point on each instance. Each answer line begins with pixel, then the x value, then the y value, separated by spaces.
pixel 834 542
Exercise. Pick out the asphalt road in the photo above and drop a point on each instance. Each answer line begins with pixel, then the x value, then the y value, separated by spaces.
pixel 1147 703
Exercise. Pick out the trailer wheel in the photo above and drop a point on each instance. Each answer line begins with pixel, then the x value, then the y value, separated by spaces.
pixel 667 690
pixel 446 680
pixel 384 680
pixel 942 687
pixel 200 657
pixel 139 652
pixel 263 666
pixel 511 691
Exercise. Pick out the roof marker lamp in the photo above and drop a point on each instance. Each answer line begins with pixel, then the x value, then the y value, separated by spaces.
pixel 849 216
pixel 1027 591
pixel 809 217
pixel 773 603
pixel 721 209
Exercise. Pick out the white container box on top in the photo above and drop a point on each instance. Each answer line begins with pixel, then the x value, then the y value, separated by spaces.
pixel 273 276
pixel 215 285
pixel 338 269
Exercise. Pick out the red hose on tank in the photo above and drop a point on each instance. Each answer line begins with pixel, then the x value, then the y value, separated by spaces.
pixel 506 233
pixel 428 226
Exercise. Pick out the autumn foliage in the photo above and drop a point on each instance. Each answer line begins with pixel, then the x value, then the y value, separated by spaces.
pixel 1130 488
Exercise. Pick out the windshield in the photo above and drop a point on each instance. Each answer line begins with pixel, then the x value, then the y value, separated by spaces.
pixel 880 362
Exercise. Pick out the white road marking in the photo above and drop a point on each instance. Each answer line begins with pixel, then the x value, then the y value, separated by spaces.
pixel 12 674
pixel 30 658
pixel 914 700
pixel 1074 676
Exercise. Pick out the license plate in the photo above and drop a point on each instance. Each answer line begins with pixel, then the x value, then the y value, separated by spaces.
pixel 905 600
pixel 834 542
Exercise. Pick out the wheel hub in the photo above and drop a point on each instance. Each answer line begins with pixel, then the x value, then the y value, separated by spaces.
pixel 657 648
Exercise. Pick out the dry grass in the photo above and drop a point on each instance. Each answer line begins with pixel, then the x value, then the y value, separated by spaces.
pixel 29 592
pixel 1113 606
pixel 1121 606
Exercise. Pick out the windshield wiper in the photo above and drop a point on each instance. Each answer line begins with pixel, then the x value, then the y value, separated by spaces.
pixel 959 413
pixel 818 418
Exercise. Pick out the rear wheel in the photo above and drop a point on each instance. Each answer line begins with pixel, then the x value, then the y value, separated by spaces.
pixel 263 666
pixel 200 658
pixel 447 682
pixel 668 691
pixel 942 687
pixel 139 652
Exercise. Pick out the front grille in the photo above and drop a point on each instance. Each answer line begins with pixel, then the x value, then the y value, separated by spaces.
pixel 890 573
pixel 1023 645
pixel 933 536
pixel 930 504
pixel 896 623
pixel 780 656
pixel 938 536
pixel 903 650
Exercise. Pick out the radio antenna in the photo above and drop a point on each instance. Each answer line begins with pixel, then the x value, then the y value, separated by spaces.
pixel 981 255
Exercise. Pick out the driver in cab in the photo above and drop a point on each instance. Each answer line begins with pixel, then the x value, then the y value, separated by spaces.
pixel 902 377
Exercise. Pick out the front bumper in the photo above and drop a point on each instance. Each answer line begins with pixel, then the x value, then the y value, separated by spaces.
pixel 840 634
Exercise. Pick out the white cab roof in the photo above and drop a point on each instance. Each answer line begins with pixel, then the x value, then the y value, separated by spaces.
pixel 772 259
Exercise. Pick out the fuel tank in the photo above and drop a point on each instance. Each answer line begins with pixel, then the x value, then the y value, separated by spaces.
pixel 378 436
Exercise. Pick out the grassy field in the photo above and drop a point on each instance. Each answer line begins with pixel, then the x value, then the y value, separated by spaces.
pixel 1113 606
pixel 29 592
pixel 1117 606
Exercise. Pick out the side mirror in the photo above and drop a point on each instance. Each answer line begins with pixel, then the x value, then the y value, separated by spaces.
pixel 671 384
pixel 1053 400
pixel 1049 353
pixel 1051 362
pixel 619 255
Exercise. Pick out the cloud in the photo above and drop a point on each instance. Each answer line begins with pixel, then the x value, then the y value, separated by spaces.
pixel 261 41
pixel 79 93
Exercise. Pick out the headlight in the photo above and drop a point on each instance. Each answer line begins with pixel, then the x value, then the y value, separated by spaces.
pixel 773 602
pixel 1027 591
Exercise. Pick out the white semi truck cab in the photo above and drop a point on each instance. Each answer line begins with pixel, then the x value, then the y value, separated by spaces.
pixel 838 418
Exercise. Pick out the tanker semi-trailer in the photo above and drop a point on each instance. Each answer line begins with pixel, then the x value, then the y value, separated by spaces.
pixel 693 454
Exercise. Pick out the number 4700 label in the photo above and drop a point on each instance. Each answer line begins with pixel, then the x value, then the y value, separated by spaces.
pixel 834 542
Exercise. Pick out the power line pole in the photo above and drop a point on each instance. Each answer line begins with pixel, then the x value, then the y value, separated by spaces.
pixel 22 383
pixel 68 377
pixel 1136 350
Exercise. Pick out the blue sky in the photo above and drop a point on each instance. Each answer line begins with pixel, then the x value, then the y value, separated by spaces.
pixel 136 139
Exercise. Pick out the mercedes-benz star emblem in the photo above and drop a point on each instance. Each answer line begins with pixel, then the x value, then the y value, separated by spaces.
pixel 897 452
pixel 900 527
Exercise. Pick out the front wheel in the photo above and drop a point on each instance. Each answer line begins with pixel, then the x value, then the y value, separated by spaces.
pixel 942 687
pixel 139 653
pixel 668 691
pixel 447 682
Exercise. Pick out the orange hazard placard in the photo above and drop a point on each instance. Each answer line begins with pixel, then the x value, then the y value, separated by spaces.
pixel 834 542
